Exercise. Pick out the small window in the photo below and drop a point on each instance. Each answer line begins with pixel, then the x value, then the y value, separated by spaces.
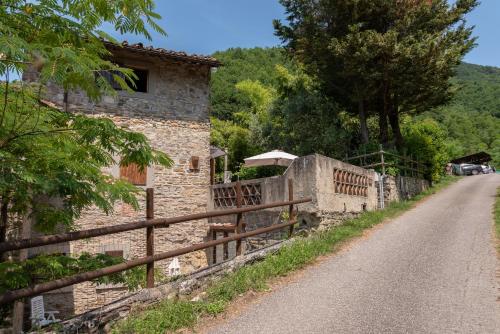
pixel 109 76
pixel 141 83
pixel 133 174
pixel 114 253
pixel 194 163
pixel 113 250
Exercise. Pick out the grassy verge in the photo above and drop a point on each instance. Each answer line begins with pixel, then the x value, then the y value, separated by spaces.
pixel 172 315
pixel 496 213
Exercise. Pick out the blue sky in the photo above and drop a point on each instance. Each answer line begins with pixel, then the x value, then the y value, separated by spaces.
pixel 205 26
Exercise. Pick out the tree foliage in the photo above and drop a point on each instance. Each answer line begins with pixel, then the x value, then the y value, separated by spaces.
pixel 304 120
pixel 242 97
pixel 52 162
pixel 379 56
pixel 477 88
pixel 256 64
pixel 427 142
pixel 48 153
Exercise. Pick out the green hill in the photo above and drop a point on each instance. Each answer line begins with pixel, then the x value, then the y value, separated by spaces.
pixel 257 64
pixel 472 118
pixel 478 88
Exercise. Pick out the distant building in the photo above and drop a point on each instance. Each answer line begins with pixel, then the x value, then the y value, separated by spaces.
pixel 170 106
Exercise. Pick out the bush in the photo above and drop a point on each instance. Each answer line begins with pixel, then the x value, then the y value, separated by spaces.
pixel 427 142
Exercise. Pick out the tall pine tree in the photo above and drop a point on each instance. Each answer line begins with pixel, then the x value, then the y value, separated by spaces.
pixel 379 57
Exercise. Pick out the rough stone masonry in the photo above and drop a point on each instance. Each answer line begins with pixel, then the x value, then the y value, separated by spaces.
pixel 172 111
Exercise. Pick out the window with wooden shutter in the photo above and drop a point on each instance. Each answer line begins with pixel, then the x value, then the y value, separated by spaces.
pixel 114 250
pixel 132 174
pixel 194 163
pixel 114 253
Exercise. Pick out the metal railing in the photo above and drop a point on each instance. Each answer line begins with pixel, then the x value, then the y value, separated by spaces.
pixel 149 224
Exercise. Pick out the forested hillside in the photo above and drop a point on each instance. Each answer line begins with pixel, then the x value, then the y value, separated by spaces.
pixel 259 91
pixel 472 118
pixel 478 88
pixel 255 64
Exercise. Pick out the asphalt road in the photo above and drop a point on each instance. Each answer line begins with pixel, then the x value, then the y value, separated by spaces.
pixel 432 270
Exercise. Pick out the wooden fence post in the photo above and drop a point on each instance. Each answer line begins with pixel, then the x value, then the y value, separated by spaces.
pixel 225 253
pixel 18 308
pixel 150 238
pixel 382 159
pixel 405 168
pixel 291 213
pixel 214 249
pixel 418 169
pixel 212 171
pixel 239 217
pixel 411 165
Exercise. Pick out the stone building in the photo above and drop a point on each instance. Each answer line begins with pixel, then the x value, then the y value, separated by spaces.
pixel 170 105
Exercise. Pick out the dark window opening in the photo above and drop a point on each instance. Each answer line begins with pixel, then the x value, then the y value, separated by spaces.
pixel 141 83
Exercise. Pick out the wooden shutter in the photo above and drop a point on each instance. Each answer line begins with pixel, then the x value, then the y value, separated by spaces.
pixel 194 163
pixel 132 174
pixel 114 253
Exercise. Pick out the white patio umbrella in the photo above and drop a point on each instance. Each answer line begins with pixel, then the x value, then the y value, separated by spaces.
pixel 273 158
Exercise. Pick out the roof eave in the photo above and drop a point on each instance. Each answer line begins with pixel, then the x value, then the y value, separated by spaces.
pixel 212 62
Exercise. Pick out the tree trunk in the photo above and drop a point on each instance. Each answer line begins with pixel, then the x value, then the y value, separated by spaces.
pixel 382 120
pixel 396 130
pixel 4 219
pixel 18 309
pixel 383 127
pixel 362 122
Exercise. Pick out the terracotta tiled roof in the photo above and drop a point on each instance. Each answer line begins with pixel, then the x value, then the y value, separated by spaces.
pixel 176 55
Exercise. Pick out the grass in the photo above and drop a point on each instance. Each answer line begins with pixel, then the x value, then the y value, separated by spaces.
pixel 172 315
pixel 496 213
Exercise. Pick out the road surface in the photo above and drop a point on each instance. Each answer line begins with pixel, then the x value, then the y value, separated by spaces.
pixel 432 270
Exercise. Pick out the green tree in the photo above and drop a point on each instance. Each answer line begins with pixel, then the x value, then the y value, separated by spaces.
pixel 256 64
pixel 305 121
pixel 47 152
pixel 383 56
pixel 51 161
pixel 427 142
pixel 237 140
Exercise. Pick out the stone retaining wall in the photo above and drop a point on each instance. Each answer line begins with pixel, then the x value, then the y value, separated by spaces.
pixel 398 188
pixel 339 191
pixel 99 320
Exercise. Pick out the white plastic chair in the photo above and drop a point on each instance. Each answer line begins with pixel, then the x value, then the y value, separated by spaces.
pixel 40 317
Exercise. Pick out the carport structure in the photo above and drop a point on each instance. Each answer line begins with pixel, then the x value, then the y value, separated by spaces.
pixel 476 158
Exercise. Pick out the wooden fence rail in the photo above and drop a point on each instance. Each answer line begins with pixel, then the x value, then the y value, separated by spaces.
pixel 150 257
pixel 157 222
pixel 406 164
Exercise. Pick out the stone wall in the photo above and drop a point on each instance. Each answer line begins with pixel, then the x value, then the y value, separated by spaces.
pixel 173 115
pixel 176 91
pixel 398 188
pixel 323 179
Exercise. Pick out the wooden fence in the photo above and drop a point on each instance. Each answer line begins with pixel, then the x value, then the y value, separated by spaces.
pixel 382 160
pixel 149 224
